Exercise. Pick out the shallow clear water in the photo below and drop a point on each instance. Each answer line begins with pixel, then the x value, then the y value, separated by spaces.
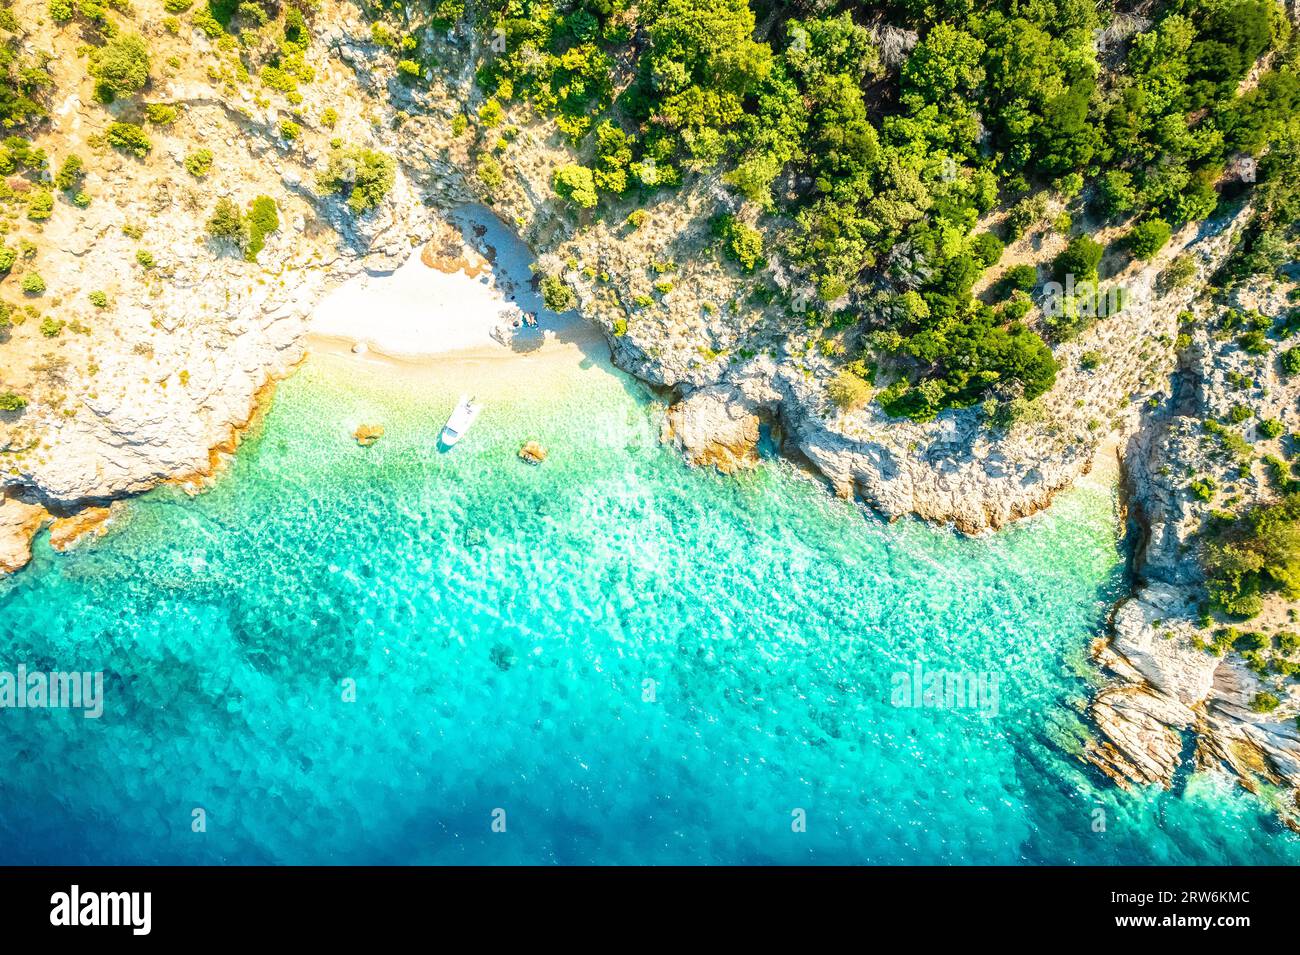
pixel 500 622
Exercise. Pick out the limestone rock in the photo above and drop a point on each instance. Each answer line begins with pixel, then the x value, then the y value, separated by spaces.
pixel 532 453
pixel 88 523
pixel 19 523
pixel 368 434
pixel 715 427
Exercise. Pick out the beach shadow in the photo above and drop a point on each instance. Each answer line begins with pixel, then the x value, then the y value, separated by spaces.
pixel 520 286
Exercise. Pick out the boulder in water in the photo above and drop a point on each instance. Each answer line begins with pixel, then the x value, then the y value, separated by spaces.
pixel 368 434
pixel 533 453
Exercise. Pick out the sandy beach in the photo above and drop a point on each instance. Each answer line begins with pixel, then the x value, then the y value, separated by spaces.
pixel 465 298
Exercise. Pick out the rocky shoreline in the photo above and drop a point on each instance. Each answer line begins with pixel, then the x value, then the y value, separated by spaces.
pixel 1167 693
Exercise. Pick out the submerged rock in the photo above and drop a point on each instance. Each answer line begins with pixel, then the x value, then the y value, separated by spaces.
pixel 502 656
pixel 88 523
pixel 533 453
pixel 368 434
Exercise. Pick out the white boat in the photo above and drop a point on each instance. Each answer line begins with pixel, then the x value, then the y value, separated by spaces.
pixel 465 414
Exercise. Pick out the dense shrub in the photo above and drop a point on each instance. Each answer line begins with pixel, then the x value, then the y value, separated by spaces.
pixel 122 64
pixel 262 220
pixel 1080 258
pixel 161 114
pixel 130 138
pixel 1265 702
pixel 1256 555
pixel 557 295
pixel 364 175
pixel 849 391
pixel 1022 277
pixel 199 162
pixel 226 222
pixel 1147 238
pixel 742 243
pixel 70 173
pixel 40 204
pixel 576 184
pixel 1291 360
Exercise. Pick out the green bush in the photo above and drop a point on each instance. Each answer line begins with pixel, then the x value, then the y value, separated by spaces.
pixel 1265 702
pixel 289 130
pixel 8 257
pixel 209 25
pixel 1291 360
pixel 1271 428
pixel 199 162
pixel 40 205
pixel 226 222
pixel 130 138
pixel 1022 277
pixel 262 220
pixel 849 391
pixel 1255 342
pixel 1115 193
pixel 987 248
pixel 161 114
pixel 490 173
pixel 742 243
pixel 1203 488
pixel 98 299
pixel 122 64
pixel 12 402
pixel 1080 258
pixel 1256 555
pixel 1147 238
pixel 51 327
pixel 557 295
pixel 70 174
pixel 576 184
pixel 365 175
pixel 61 11
pixel 33 284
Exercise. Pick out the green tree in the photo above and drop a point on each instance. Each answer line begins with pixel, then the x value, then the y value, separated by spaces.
pixel 1147 238
pixel 1080 258
pixel 576 184
pixel 226 221
pixel 365 175
pixel 122 64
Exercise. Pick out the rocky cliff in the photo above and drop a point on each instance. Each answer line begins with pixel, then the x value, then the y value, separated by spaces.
pixel 1176 687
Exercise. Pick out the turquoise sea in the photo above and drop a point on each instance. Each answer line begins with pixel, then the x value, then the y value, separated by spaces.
pixel 623 660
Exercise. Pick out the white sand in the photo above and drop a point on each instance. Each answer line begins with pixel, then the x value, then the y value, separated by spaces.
pixel 415 312
pixel 422 317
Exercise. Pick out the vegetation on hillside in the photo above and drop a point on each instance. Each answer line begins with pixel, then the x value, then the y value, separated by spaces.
pixel 874 155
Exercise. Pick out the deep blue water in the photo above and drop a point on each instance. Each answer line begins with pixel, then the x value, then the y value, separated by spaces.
pixel 634 661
